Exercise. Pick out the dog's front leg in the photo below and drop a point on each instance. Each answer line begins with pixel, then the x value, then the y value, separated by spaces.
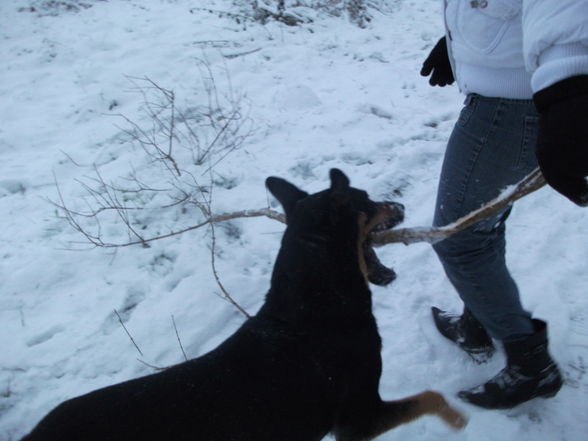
pixel 389 414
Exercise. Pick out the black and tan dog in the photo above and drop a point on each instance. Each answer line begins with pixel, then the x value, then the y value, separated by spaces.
pixel 307 364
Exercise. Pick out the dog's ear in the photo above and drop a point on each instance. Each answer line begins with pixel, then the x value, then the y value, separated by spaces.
pixel 339 182
pixel 339 196
pixel 288 194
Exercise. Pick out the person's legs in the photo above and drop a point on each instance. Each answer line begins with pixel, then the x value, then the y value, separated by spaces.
pixel 491 147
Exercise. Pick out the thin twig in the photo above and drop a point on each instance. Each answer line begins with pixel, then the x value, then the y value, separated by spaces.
pixel 178 337
pixel 157 368
pixel 241 54
pixel 226 294
pixel 128 333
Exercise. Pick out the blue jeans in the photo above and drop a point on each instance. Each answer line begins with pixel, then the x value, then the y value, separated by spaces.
pixel 491 147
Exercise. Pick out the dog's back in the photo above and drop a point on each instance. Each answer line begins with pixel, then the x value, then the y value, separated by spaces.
pixel 260 384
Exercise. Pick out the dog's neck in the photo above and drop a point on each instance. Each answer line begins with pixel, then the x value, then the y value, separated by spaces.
pixel 316 278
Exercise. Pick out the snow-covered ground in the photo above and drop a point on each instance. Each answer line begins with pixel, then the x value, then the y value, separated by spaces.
pixel 326 94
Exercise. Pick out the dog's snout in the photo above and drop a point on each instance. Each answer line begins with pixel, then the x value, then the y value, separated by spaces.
pixel 389 215
pixel 395 207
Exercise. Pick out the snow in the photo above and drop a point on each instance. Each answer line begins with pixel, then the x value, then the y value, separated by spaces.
pixel 326 94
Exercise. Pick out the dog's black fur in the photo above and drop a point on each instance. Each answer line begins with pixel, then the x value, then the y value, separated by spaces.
pixel 307 364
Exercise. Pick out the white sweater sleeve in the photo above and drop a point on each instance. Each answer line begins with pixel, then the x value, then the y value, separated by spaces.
pixel 555 40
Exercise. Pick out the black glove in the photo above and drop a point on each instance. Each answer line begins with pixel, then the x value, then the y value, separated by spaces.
pixel 562 146
pixel 438 63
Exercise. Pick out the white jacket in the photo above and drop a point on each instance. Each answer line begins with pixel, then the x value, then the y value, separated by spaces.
pixel 513 48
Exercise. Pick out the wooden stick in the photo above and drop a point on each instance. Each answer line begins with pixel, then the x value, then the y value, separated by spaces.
pixel 529 184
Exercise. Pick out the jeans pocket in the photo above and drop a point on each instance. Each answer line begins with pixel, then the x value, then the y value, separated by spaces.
pixel 467 111
pixel 526 155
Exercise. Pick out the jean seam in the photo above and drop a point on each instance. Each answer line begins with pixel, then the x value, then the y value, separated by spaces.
pixel 528 131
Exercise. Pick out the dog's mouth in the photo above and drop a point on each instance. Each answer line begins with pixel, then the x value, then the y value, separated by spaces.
pixel 387 216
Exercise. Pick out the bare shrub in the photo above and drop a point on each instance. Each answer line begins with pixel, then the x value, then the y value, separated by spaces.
pixel 56 7
pixel 175 148
pixel 296 12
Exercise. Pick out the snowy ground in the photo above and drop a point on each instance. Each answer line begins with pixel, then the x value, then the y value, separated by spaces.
pixel 327 94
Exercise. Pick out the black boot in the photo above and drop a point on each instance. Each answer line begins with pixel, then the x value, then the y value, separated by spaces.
pixel 530 373
pixel 465 331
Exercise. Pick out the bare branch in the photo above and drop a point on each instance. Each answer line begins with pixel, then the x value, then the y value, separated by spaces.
pixel 200 136
pixel 264 212
pixel 155 368
pixel 242 54
pixel 178 337
pixel 127 331
pixel 529 184
pixel 226 294
pixel 70 218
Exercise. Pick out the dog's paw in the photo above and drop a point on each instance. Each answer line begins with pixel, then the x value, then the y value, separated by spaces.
pixel 381 276
pixel 454 418
pixel 451 416
pixel 378 274
pixel 436 404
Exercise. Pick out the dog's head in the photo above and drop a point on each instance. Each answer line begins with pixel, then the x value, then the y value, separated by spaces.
pixel 341 212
